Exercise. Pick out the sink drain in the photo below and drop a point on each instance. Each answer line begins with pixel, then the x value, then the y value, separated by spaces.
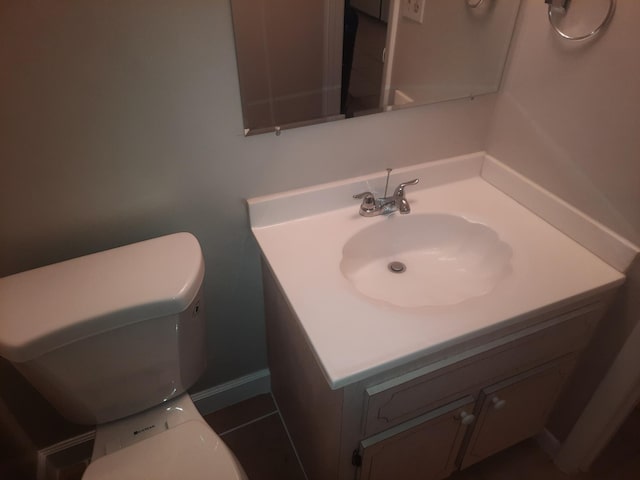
pixel 396 267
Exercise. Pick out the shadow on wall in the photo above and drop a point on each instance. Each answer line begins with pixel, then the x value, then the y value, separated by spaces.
pixel 17 452
pixel 27 424
pixel 610 336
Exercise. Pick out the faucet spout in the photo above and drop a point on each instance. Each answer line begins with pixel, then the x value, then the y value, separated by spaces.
pixel 399 192
pixel 401 200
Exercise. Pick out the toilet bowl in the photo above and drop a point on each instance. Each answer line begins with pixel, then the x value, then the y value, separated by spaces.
pixel 115 339
pixel 164 443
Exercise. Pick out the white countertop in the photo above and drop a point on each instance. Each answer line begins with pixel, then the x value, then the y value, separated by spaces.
pixel 353 336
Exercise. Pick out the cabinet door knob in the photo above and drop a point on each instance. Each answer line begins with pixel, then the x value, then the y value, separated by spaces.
pixel 498 403
pixel 466 418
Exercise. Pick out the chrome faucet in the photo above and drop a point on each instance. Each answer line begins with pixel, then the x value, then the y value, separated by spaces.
pixel 372 206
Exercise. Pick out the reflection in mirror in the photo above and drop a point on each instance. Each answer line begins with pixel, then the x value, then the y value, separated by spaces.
pixel 311 61
pixel 289 61
pixel 458 50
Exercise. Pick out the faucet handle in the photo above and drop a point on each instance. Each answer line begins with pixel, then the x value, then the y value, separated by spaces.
pixel 368 199
pixel 400 188
pixel 367 196
pixel 368 202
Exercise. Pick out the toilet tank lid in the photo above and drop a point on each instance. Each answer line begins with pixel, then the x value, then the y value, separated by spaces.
pixel 49 307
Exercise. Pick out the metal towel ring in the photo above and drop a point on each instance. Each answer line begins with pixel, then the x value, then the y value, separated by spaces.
pixel 474 5
pixel 598 29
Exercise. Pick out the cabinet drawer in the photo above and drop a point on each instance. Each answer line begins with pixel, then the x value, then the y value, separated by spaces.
pixel 414 393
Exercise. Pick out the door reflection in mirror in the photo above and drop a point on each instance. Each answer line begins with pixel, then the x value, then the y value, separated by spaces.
pixel 312 61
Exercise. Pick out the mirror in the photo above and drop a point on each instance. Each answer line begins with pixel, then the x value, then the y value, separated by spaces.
pixel 312 61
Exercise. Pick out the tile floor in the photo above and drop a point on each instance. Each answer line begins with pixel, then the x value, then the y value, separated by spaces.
pixel 253 430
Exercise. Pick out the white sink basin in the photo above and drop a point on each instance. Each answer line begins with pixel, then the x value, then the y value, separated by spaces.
pixel 425 260
pixel 464 241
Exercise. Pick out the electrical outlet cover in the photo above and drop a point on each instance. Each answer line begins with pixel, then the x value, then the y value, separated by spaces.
pixel 413 10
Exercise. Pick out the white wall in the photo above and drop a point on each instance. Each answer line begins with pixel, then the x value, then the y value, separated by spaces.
pixel 568 117
pixel 122 121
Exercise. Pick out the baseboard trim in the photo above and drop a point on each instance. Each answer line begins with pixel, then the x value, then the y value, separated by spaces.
pixel 548 443
pixel 237 390
pixel 206 401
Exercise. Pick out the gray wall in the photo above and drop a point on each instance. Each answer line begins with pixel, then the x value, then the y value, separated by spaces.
pixel 568 117
pixel 121 121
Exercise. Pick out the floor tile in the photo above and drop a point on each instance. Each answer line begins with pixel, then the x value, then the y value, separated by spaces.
pixel 524 461
pixel 628 470
pixel 264 450
pixel 468 474
pixel 622 452
pixel 240 413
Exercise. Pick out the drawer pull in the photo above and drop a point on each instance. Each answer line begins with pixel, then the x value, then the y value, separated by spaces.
pixel 466 418
pixel 498 404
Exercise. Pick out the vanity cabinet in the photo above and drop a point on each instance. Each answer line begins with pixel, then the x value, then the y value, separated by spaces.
pixel 434 415
pixel 420 390
pixel 462 433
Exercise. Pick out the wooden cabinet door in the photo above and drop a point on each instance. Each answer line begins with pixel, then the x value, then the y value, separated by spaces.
pixel 515 409
pixel 424 448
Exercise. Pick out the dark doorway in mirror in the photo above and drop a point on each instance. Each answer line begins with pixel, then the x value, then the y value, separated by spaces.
pixel 365 84
pixel 350 31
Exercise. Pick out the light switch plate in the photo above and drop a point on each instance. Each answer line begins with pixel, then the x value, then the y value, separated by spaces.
pixel 413 10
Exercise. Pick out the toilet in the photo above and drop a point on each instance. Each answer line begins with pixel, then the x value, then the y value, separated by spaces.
pixel 115 339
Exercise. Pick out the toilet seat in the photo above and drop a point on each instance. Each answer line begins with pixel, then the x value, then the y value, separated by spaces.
pixel 190 451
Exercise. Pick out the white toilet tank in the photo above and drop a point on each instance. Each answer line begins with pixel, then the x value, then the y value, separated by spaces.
pixel 110 334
